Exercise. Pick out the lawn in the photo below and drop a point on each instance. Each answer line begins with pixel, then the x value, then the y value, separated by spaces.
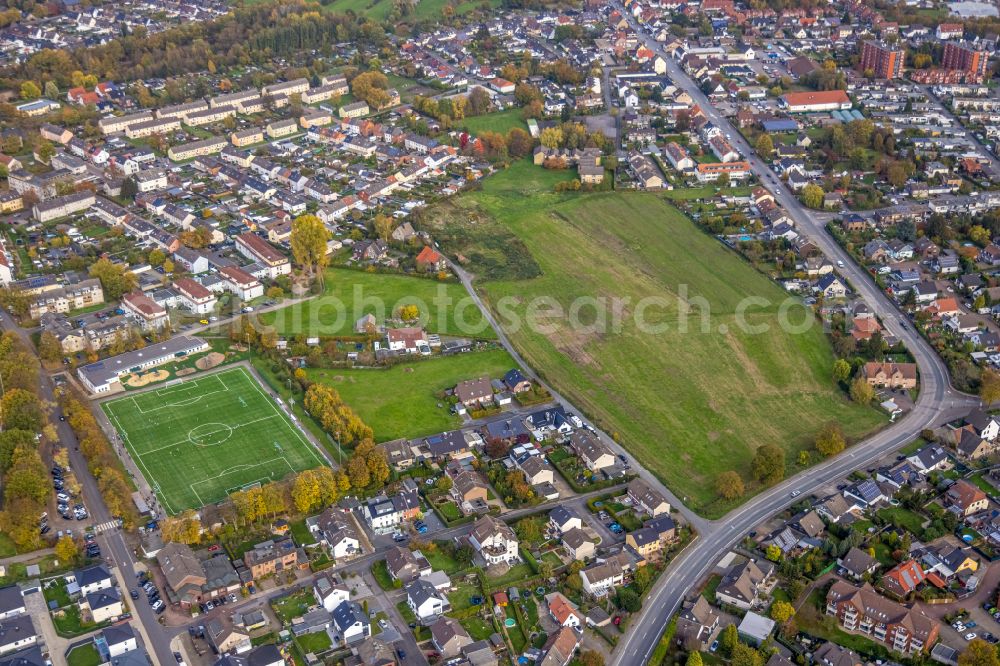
pixel 478 628
pixel 316 642
pixel 910 521
pixel 56 591
pixel 444 307
pixel 402 401
pixel 381 573
pixel 294 605
pixel 499 121
pixel 200 440
pixel 426 10
pixel 7 547
pixel 686 360
pixel 68 622
pixel 301 534
pixel 84 655
pixel 705 192
pixel 517 575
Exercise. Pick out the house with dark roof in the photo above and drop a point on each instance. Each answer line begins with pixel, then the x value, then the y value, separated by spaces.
pixel 744 585
pixel 857 563
pixel 351 623
pixel 449 637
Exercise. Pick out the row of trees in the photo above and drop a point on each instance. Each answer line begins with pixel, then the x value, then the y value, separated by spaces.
pixel 25 424
pixel 255 34
pixel 102 462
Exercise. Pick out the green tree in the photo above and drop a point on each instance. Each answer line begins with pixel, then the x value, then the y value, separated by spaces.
pixel 768 464
pixel 841 370
pixel 729 639
pixel 308 241
pixel 978 653
pixel 156 257
pixel 49 348
pixel 30 90
pixel 744 655
pixel 46 151
pixel 66 550
pixel 22 410
pixel 765 146
pixel 628 600
pixel 729 485
pixel 830 440
pixel 372 87
pixel 989 386
pixel 10 440
pixel 116 279
pixel 861 391
pixel 812 196
pixel 693 659
pixel 782 611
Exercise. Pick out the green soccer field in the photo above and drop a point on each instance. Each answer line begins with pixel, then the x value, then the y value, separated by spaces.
pixel 200 440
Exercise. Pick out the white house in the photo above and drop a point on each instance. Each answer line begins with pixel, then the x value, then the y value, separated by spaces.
pixel 103 605
pixel 11 601
pixel 16 633
pixel 599 579
pixel 494 541
pixel 92 579
pixel 330 592
pixel 194 296
pixel 119 639
pixel 241 283
pixel 335 529
pixel 425 601
pixel 351 622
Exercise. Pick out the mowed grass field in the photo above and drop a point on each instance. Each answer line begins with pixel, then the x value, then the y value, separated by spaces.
pixel 423 10
pixel 199 440
pixel 499 121
pixel 689 405
pixel 444 306
pixel 401 401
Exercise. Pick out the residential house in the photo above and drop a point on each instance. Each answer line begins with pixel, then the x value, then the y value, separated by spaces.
pixel 579 545
pixel 16 633
pixel 11 601
pixel 330 592
pixel 903 578
pixel 475 393
pixel 863 610
pixel 965 499
pixel 646 499
pixel 426 602
pixel 744 585
pixel 335 529
pixel 858 563
pixel 564 612
pixel 560 648
pixel 697 623
pixel 351 623
pixel 591 450
pixel 103 605
pixel 405 565
pixel 91 579
pixel 449 637
pixel 890 375
pixel 494 541
pixel 600 578
pixel 270 557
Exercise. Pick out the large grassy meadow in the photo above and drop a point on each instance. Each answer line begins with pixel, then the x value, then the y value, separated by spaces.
pixel 401 401
pixel 689 404
pixel 349 294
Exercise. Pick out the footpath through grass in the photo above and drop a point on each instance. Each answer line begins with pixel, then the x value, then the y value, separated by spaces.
pixel 689 403
pixel 349 294
pixel 401 401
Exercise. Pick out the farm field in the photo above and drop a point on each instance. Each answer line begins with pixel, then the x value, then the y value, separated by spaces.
pixel 201 439
pixel 401 400
pixel 350 294
pixel 689 405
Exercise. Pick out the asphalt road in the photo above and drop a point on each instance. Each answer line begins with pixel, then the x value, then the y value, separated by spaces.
pixel 937 402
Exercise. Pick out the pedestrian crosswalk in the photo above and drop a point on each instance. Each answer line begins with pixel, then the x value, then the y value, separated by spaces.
pixel 106 526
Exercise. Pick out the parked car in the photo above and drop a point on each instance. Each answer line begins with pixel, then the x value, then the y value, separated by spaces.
pixel 134 594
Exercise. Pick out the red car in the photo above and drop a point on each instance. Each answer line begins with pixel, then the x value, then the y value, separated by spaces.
pixel 213 548
pixel 617 620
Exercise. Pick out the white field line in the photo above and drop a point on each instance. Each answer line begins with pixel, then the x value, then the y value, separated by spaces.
pixel 187 440
pixel 150 479
pixel 287 421
pixel 183 402
pixel 240 468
